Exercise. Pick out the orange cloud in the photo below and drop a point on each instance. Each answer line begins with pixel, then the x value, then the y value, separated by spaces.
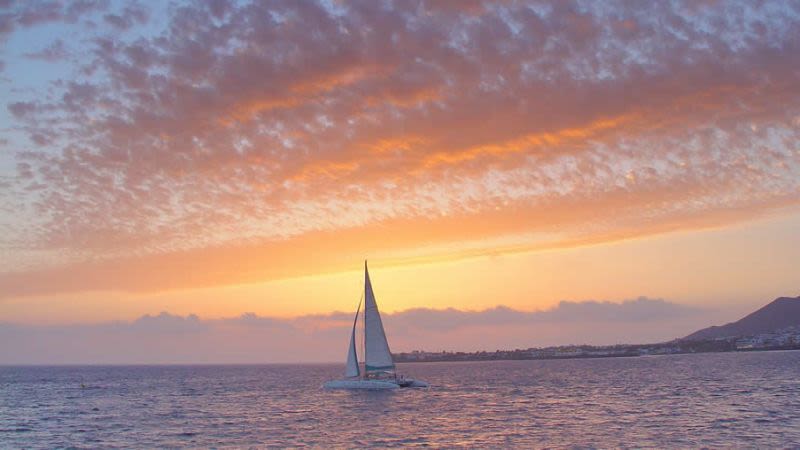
pixel 237 148
pixel 526 143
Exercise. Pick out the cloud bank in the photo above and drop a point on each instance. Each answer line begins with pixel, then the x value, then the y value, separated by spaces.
pixel 167 338
pixel 245 129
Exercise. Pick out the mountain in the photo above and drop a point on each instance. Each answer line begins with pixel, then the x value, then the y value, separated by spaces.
pixel 781 313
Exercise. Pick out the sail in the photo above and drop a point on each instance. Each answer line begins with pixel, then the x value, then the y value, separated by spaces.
pixel 352 370
pixel 376 348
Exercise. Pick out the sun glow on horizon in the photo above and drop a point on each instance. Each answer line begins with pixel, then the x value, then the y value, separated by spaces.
pixel 221 158
pixel 524 280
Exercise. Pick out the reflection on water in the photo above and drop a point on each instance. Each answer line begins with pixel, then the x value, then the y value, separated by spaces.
pixel 710 400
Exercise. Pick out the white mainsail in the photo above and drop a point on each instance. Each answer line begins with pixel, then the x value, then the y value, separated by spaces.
pixel 352 369
pixel 377 356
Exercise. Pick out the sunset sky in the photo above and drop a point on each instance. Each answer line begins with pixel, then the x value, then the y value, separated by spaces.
pixel 517 173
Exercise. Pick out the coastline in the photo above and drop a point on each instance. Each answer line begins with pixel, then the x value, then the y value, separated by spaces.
pixel 530 354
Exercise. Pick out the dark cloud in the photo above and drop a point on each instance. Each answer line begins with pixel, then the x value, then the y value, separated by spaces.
pixel 640 310
pixel 21 109
pixel 168 338
pixel 168 323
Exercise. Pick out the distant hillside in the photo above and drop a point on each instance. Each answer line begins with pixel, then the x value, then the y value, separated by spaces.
pixel 781 313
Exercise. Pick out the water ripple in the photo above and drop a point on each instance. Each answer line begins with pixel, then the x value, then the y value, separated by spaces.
pixel 712 400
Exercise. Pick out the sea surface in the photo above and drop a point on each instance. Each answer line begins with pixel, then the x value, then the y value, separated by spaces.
pixel 701 400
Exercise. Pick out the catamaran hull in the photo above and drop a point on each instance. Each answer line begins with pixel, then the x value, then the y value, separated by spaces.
pixel 374 384
pixel 360 384
pixel 412 383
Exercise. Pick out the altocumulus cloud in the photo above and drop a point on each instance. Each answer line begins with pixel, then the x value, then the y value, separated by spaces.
pixel 250 123
pixel 168 338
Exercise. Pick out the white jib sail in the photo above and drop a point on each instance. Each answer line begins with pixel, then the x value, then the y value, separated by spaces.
pixel 352 370
pixel 377 356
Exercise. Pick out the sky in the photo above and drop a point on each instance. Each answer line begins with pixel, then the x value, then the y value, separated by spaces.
pixel 180 176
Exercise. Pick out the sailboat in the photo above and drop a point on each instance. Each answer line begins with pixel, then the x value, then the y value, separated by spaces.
pixel 378 371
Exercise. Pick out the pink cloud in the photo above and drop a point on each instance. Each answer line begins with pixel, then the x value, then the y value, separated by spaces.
pixel 31 13
pixel 169 338
pixel 53 52
pixel 274 120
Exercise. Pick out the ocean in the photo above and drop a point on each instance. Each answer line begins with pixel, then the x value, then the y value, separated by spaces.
pixel 676 401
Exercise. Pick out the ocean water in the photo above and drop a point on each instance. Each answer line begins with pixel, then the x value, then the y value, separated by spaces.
pixel 711 400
